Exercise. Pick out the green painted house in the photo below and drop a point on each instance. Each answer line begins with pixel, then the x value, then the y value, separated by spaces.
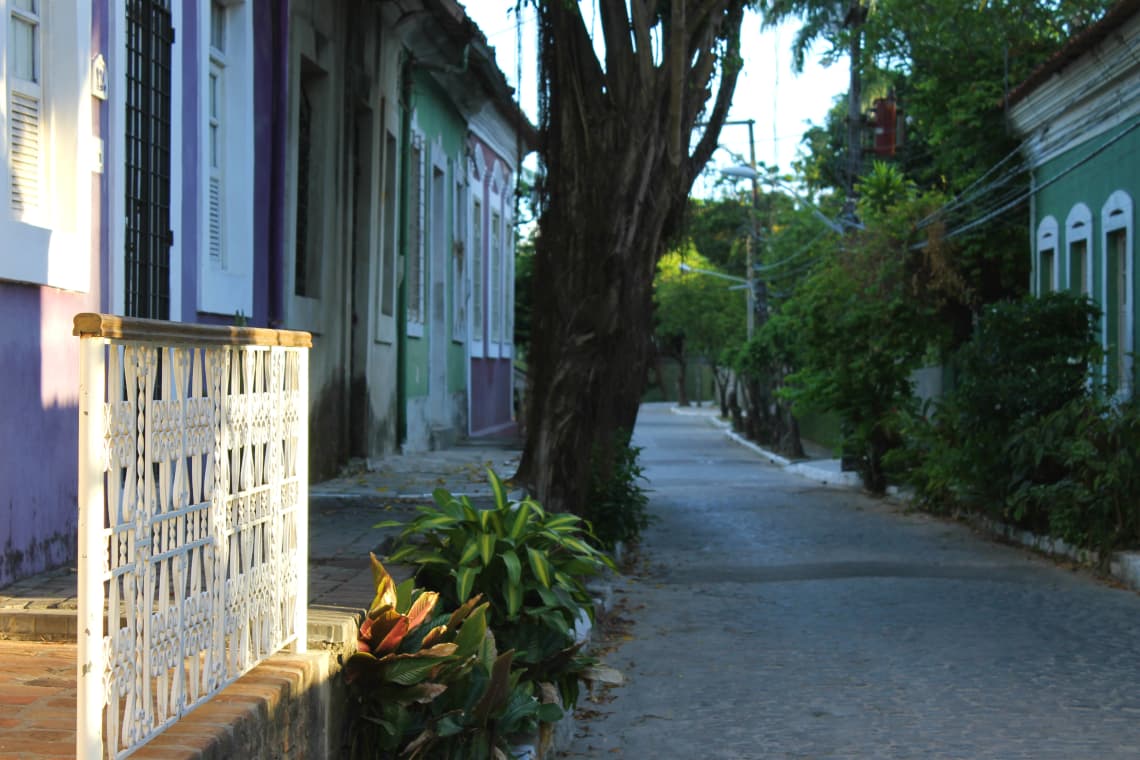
pixel 462 137
pixel 1078 117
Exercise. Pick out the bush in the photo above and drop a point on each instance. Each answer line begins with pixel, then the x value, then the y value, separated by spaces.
pixel 617 507
pixel 434 685
pixel 1026 360
pixel 527 564
pixel 1077 473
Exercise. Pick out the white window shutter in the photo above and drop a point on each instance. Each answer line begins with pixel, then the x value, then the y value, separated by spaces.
pixel 24 150
pixel 215 217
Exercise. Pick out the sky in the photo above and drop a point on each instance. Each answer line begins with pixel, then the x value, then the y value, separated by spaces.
pixel 782 102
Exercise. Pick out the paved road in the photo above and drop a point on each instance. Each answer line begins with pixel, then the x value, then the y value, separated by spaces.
pixel 774 618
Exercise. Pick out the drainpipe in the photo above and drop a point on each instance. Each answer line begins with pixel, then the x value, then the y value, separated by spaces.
pixel 277 216
pixel 402 253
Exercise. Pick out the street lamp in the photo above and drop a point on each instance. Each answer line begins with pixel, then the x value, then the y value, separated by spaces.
pixel 747 172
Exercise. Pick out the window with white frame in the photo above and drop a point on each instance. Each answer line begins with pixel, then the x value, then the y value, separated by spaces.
pixel 458 258
pixel 1046 256
pixel 509 292
pixel 477 289
pixel 1078 233
pixel 225 283
pixel 416 239
pixel 45 120
pixel 389 231
pixel 1117 273
pixel 25 106
pixel 495 278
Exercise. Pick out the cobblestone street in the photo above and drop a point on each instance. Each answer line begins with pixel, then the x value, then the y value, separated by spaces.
pixel 772 617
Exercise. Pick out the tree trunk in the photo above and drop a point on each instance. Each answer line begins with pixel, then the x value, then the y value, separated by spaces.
pixel 618 173
pixel 682 391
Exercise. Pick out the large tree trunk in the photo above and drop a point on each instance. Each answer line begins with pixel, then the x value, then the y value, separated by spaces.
pixel 618 173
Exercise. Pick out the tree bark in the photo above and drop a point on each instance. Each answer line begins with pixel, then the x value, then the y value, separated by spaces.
pixel 615 190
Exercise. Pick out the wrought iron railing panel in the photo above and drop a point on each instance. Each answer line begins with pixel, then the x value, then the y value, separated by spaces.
pixel 193 521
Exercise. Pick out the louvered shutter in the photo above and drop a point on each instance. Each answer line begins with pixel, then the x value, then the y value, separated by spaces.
pixel 24 150
pixel 25 107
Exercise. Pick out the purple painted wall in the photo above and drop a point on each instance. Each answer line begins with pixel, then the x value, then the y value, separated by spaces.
pixel 39 364
pixel 491 390
pixel 191 242
pixel 39 395
pixel 39 357
pixel 490 386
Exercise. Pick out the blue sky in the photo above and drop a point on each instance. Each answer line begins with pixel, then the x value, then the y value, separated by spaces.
pixel 781 102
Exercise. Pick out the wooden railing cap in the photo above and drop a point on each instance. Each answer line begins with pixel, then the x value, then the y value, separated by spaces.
pixel 90 325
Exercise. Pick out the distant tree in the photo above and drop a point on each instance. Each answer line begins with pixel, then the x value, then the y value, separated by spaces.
pixel 698 317
pixel 620 104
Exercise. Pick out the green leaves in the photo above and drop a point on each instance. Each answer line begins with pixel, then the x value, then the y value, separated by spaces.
pixel 515 555
pixel 539 565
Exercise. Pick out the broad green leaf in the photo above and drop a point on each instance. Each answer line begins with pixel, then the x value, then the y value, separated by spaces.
pixel 437 521
pixel 535 507
pixel 472 632
pixel 411 670
pixel 512 592
pixel 549 713
pixel 497 487
pixel 518 523
pixel 389 524
pixel 514 567
pixel 469 511
pixel 540 565
pixel 465 581
pixel 487 547
pixel 441 496
pixel 404 594
pixel 562 521
pixel 470 552
pixel 449 725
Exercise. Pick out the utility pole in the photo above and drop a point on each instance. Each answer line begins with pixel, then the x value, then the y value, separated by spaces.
pixel 856 15
pixel 748 270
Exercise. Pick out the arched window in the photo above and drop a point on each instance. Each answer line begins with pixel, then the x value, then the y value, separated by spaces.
pixel 1078 244
pixel 1117 264
pixel 1045 261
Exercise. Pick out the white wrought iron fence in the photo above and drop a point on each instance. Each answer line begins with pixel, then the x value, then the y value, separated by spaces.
pixel 193 517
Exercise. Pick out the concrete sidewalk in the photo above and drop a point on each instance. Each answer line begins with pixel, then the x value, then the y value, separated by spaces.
pixel 819 466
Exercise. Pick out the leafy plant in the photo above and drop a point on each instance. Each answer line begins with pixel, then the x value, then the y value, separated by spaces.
pixel 406 658
pixel 429 687
pixel 528 564
pixel 1076 471
pixel 617 509
pixel 1026 361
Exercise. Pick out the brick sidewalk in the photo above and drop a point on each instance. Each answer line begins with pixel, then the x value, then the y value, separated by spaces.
pixel 37 700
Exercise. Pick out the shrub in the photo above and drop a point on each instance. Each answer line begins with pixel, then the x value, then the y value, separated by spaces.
pixel 526 563
pixel 437 686
pixel 617 509
pixel 1026 360
pixel 1077 474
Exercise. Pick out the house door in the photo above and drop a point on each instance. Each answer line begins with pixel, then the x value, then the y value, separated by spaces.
pixel 150 39
pixel 359 420
pixel 437 382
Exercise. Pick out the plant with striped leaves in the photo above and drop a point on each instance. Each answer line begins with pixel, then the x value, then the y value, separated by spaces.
pixel 528 564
